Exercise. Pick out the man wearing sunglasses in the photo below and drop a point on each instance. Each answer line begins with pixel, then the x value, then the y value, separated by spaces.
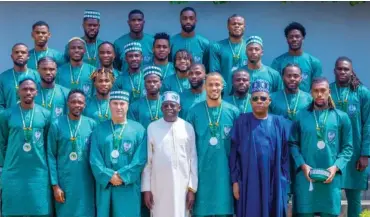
pixel 259 158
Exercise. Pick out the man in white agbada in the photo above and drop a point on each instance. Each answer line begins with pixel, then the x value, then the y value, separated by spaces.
pixel 170 177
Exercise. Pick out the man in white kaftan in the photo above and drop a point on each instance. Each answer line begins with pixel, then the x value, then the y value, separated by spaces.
pixel 170 177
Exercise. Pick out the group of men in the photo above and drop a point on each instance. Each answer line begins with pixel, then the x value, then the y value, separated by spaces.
pixel 179 126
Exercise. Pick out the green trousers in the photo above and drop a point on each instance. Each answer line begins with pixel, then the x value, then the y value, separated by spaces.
pixel 354 202
pixel 212 216
pixel 313 215
pixel 27 216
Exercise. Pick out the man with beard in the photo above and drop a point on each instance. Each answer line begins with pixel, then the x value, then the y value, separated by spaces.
pixel 321 146
pixel 310 65
pixel 132 79
pixel 25 175
pixel 9 78
pixel 97 106
pixel 179 82
pixel 197 45
pixel 161 51
pixel 259 159
pixel 41 35
pixel 50 95
pixel 68 159
pixel 76 73
pixel 118 156
pixel 212 121
pixel 196 93
pixel 239 96
pixel 256 69
pixel 136 23
pixel 106 57
pixel 229 54
pixel 352 97
pixel 294 98
pixel 147 109
pixel 172 162
pixel 91 26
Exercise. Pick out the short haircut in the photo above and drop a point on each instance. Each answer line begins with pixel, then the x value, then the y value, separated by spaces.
pixel 46 59
pixel 293 26
pixel 161 35
pixel 232 16
pixel 188 9
pixel 19 44
pixel 107 42
pixel 135 11
pixel 74 91
pixel 291 65
pixel 40 23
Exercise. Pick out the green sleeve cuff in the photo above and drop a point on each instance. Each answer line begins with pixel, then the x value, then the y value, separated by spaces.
pixel 365 151
pixel 340 164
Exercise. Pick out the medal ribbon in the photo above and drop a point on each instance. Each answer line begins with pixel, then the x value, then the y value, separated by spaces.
pixel 78 76
pixel 134 90
pixel 27 131
pixel 100 114
pixel 213 126
pixel 73 135
pixel 51 99
pixel 320 129
pixel 178 83
pixel 236 57
pixel 245 103
pixel 150 110
pixel 16 80
pixel 342 103
pixel 117 139
pixel 36 58
pixel 95 52
pixel 290 112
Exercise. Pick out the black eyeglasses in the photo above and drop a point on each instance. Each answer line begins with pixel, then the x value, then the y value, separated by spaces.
pixel 262 98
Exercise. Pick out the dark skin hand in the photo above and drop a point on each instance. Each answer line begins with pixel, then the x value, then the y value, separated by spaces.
pixel 148 199
pixel 58 194
pixel 362 163
pixel 190 197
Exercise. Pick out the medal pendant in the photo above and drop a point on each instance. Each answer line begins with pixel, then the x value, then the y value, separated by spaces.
pixel 27 147
pixel 321 144
pixel 213 141
pixel 73 156
pixel 115 154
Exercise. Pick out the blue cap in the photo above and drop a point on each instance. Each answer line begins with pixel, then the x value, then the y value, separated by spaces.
pixel 260 86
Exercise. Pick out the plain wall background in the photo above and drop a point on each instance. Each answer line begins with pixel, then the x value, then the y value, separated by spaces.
pixel 333 29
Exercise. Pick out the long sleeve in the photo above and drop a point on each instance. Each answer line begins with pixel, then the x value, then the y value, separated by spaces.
pixel 365 117
pixel 275 65
pixel 214 58
pixel 2 96
pixel 316 68
pixel 4 133
pixel 285 167
pixel 345 142
pixel 234 159
pixel 147 172
pixel 52 150
pixel 278 82
pixel 294 146
pixel 101 173
pixel 132 172
pixel 206 54
pixel 193 181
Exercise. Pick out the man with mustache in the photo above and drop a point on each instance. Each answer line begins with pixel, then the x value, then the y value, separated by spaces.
pixel 352 97
pixel 9 79
pixel 179 82
pixel 136 23
pixel 107 55
pixel 311 67
pixel 132 79
pixel 259 158
pixel 240 96
pixel 118 156
pixel 195 44
pixel 25 175
pixel 41 35
pixel 76 74
pixel 68 159
pixel 148 108
pixel 161 51
pixel 321 146
pixel 97 106
pixel 212 121
pixel 172 162
pixel 256 69
pixel 229 54
pixel 197 92
pixel 91 27
pixel 50 95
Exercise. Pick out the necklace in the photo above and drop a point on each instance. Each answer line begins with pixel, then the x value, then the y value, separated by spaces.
pixel 134 89
pixel 292 112
pixel 236 56
pixel 245 103
pixel 73 82
pixel 106 115
pixel 43 98
pixel 36 58
pixel 153 118
pixel 16 80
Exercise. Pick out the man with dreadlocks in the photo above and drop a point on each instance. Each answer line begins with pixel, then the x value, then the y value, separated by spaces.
pixel 353 98
pixel 321 146
pixel 98 106
pixel 107 55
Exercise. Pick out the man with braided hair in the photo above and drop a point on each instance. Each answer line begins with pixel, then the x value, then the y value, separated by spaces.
pixel 353 98
pixel 98 106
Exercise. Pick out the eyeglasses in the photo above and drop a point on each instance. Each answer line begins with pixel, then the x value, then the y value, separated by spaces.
pixel 262 98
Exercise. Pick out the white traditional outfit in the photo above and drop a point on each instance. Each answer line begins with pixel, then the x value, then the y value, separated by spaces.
pixel 171 169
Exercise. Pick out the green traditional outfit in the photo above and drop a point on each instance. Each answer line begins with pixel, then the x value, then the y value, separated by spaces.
pixel 320 139
pixel 35 56
pixel 212 129
pixel 146 111
pixel 68 159
pixel 53 99
pixel 176 84
pixel 167 70
pixel 25 176
pixel 226 57
pixel 76 77
pixel 9 86
pixel 132 83
pixel 188 99
pixel 289 105
pixel 243 104
pixel 310 66
pixel 146 45
pixel 197 46
pixel 97 109
pixel 357 105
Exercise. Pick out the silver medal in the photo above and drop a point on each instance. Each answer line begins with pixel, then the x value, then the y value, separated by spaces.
pixel 321 144
pixel 27 147
pixel 115 154
pixel 213 141
pixel 73 156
